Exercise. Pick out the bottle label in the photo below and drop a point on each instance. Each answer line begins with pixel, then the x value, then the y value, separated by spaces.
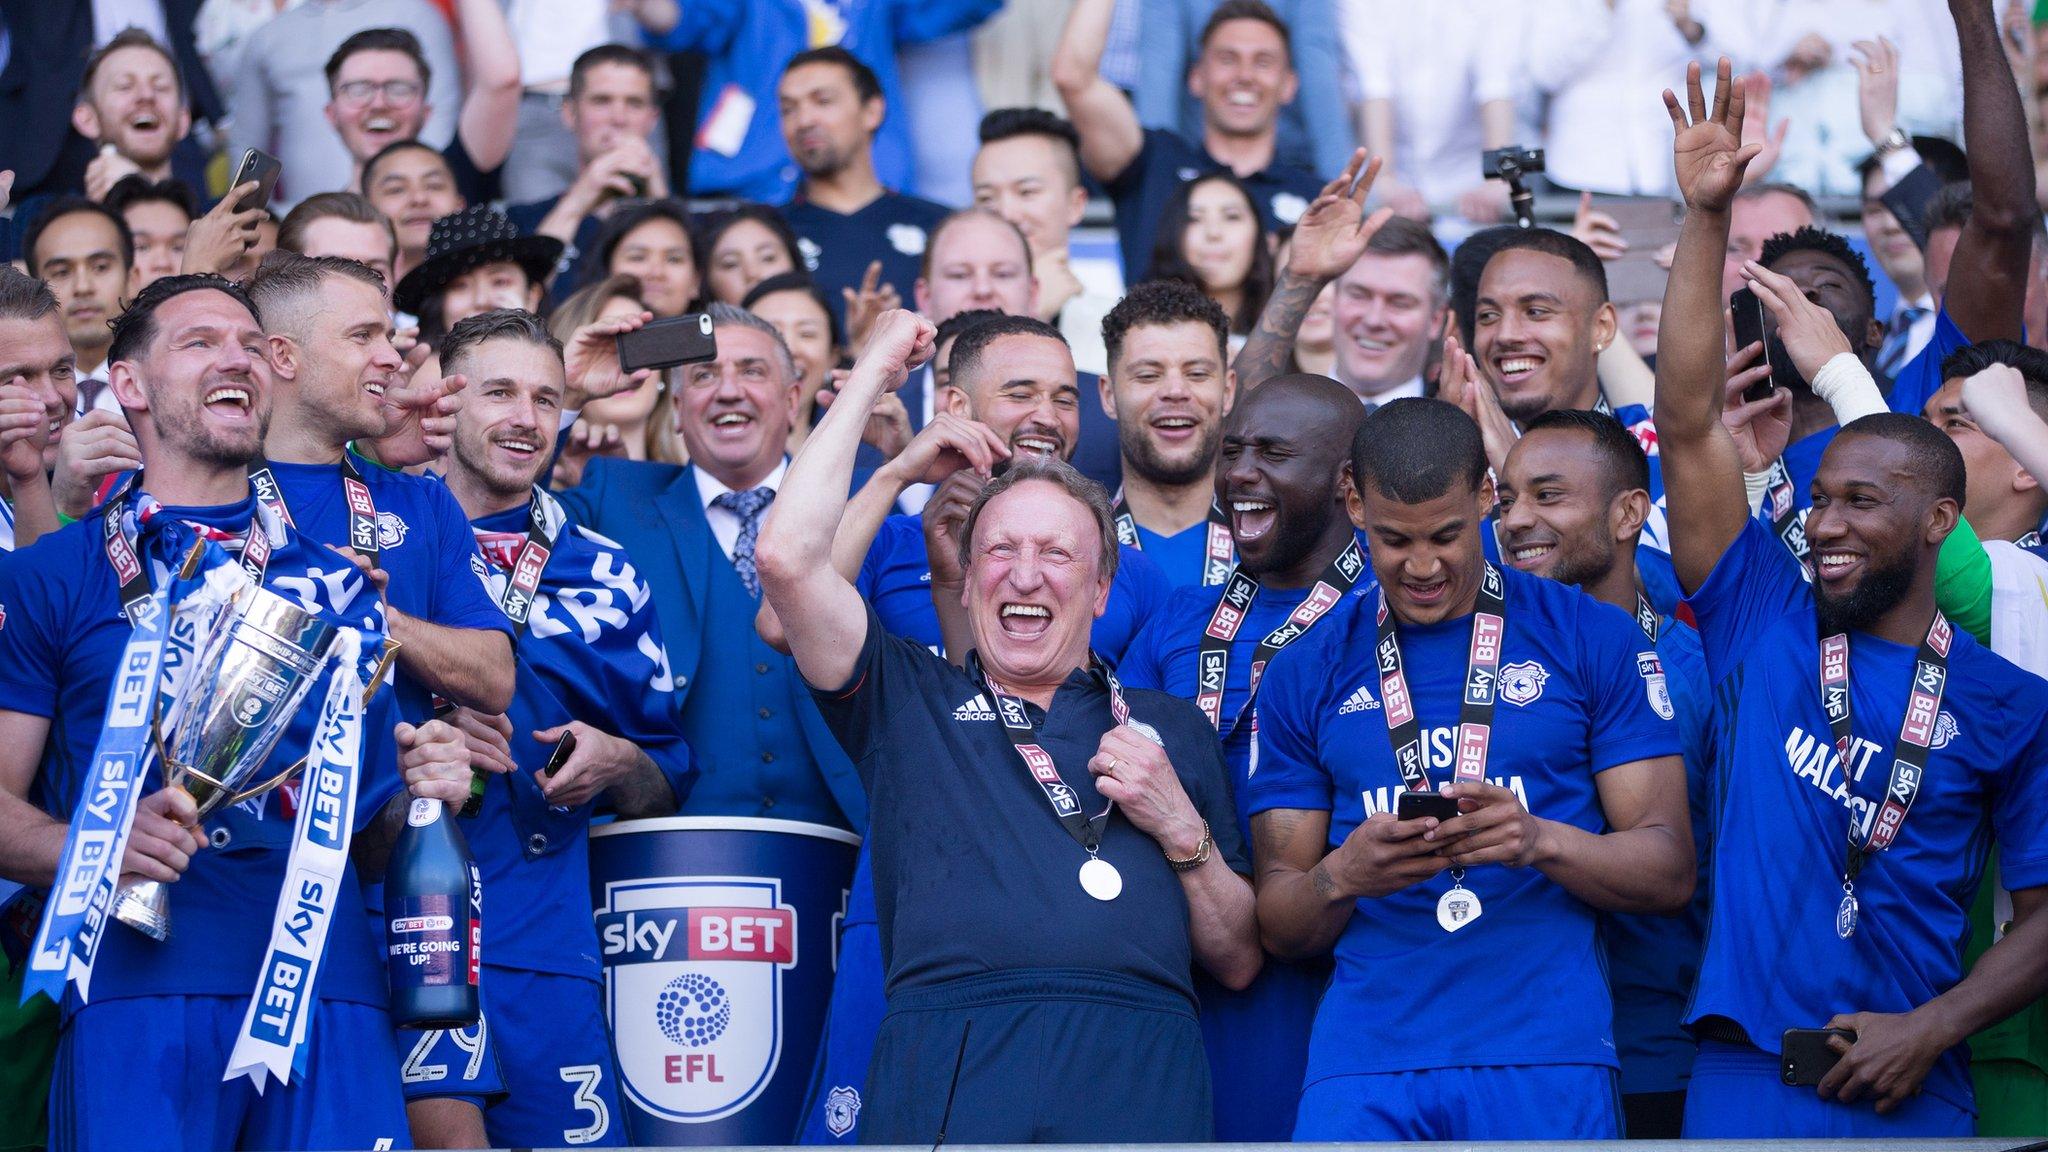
pixel 424 811
pixel 427 941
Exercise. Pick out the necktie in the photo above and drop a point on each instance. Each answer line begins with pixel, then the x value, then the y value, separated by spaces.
pixel 1892 356
pixel 748 506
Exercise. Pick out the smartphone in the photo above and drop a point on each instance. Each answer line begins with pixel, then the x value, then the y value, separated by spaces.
pixel 1747 312
pixel 261 167
pixel 564 748
pixel 666 343
pixel 1416 805
pixel 1805 1057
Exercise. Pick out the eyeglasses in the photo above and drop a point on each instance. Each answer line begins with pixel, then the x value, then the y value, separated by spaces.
pixel 357 93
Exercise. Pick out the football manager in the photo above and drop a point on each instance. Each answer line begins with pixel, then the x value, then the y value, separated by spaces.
pixel 1052 852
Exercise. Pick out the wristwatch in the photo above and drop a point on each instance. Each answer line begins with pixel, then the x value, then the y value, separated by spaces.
pixel 1201 855
pixel 1896 141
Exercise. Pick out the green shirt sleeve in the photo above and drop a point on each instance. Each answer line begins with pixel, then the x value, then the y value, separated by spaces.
pixel 1962 582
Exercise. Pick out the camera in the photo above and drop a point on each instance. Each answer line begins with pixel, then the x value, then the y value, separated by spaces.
pixel 1512 163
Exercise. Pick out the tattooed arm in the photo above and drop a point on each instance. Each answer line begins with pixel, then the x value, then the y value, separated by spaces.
pixel 1330 237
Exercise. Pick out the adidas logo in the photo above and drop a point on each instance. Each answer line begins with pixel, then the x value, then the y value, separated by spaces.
pixel 1360 700
pixel 975 709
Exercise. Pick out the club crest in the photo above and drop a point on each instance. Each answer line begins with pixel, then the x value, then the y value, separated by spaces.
pixel 842 1109
pixel 1522 683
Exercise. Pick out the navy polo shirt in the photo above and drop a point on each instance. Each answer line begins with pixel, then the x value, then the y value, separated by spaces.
pixel 579 263
pixel 1167 160
pixel 973 872
pixel 838 246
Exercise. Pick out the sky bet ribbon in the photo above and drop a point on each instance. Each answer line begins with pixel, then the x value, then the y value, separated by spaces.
pixel 77 915
pixel 1219 551
pixel 273 1036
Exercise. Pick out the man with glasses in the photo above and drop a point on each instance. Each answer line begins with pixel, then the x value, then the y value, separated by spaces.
pixel 281 100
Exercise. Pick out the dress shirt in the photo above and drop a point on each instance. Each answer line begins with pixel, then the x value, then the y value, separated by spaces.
pixel 725 524
pixel 1438 63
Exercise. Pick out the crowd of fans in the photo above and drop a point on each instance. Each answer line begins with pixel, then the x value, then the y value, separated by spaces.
pixel 1323 377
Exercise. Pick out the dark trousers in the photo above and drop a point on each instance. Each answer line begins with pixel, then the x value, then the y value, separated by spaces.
pixel 1049 1057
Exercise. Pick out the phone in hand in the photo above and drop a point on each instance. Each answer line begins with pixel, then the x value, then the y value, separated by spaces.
pixel 1805 1057
pixel 1747 312
pixel 1417 805
pixel 564 748
pixel 261 167
pixel 666 343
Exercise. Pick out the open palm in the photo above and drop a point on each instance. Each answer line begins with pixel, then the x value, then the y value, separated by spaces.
pixel 1333 233
pixel 1708 153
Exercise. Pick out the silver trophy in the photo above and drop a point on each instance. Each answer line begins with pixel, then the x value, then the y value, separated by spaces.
pixel 259 658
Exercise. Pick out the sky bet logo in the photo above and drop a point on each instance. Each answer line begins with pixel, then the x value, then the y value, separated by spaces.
pixel 762 934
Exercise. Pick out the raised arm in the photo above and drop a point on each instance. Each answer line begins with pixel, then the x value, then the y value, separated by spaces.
pixel 821 612
pixel 1996 399
pixel 1986 302
pixel 1327 240
pixel 1110 133
pixel 490 101
pixel 1702 472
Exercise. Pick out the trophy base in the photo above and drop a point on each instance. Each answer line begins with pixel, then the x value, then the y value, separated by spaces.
pixel 145 907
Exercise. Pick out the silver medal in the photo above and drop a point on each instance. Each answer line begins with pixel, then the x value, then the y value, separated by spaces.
pixel 1845 916
pixel 1457 908
pixel 1100 879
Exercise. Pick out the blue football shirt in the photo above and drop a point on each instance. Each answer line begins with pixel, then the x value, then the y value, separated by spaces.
pixel 837 247
pixel 1182 557
pixel 424 545
pixel 896 578
pixel 1281 192
pixel 1575 700
pixel 61 637
pixel 1773 960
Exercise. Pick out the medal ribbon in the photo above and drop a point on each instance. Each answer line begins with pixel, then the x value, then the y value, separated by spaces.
pixel 1646 616
pixel 1219 555
pixel 1475 712
pixel 1211 673
pixel 525 557
pixel 362 511
pixel 1916 735
pixel 1783 509
pixel 1086 830
pixel 272 1040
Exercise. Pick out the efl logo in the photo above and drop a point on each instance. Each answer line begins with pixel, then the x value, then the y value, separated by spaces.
pixel 693 986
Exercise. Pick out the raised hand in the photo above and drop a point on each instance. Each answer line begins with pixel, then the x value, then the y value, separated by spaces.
pixel 583 441
pixel 1598 231
pixel 866 306
pixel 91 448
pixel 422 419
pixel 1877 87
pixel 948 444
pixel 1460 382
pixel 1708 153
pixel 1760 428
pixel 900 343
pixel 24 430
pixel 1333 233
pixel 590 361
pixel 221 240
pixel 1757 128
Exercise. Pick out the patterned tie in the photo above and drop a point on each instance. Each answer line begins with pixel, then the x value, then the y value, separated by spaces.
pixel 1892 355
pixel 748 506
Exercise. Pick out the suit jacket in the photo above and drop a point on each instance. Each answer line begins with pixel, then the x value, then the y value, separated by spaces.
pixel 656 512
pixel 51 39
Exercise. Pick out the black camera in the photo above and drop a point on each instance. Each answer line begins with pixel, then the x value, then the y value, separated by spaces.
pixel 1515 164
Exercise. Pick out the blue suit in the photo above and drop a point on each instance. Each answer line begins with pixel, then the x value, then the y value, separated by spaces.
pixel 656 514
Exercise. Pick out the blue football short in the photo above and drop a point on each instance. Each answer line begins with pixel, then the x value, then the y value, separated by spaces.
pixel 1736 1093
pixel 539 1063
pixel 1510 1102
pixel 145 1072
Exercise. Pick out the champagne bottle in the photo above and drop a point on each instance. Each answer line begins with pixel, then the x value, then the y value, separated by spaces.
pixel 433 931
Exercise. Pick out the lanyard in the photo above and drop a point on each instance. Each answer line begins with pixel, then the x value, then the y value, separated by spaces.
pixel 121 534
pixel 1646 616
pixel 524 556
pixel 362 511
pixel 1779 502
pixel 1086 830
pixel 1212 671
pixel 1475 712
pixel 1909 766
pixel 1219 553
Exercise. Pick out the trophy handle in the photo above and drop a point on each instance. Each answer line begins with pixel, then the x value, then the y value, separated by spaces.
pixel 377 678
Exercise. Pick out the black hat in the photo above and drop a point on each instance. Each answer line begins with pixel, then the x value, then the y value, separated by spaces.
pixel 470 239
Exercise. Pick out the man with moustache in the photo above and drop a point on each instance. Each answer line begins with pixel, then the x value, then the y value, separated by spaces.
pixel 1574 494
pixel 1281 476
pixel 1847 875
pixel 1069 932
pixel 1534 708
pixel 1169 388
pixel 592 670
pixel 189 367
